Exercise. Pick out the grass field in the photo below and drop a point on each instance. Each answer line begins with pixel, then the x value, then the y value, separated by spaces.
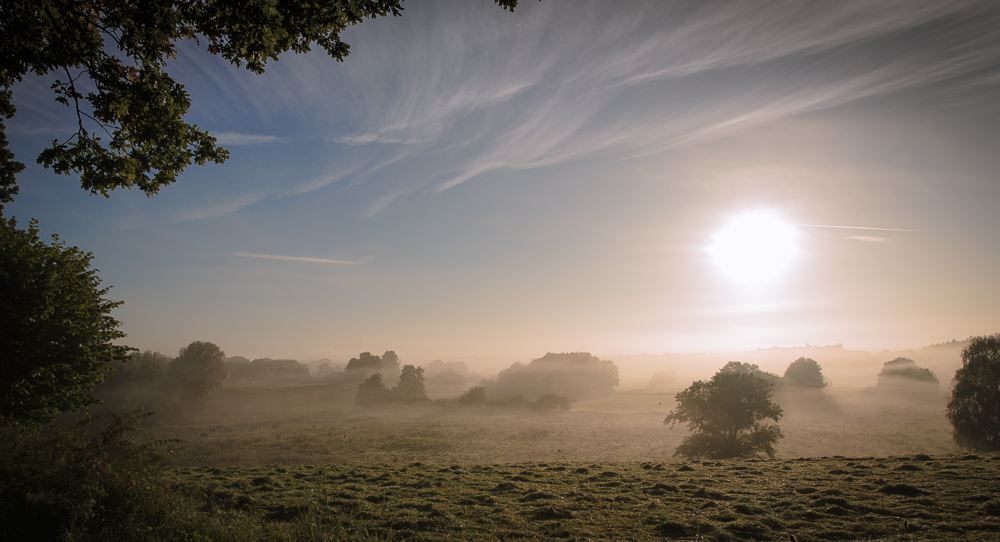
pixel 319 424
pixel 918 497
pixel 303 463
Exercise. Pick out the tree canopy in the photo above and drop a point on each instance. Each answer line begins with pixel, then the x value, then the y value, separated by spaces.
pixel 725 415
pixel 198 369
pixel 805 373
pixel 110 60
pixel 974 405
pixel 56 331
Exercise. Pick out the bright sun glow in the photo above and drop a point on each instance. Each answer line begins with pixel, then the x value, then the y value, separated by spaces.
pixel 755 249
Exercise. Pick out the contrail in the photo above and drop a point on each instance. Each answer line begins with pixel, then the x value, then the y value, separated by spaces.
pixel 294 258
pixel 855 227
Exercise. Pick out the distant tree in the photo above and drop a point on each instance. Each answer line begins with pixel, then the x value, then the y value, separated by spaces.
pixel 578 375
pixel 56 331
pixel 366 362
pixel 277 370
pixel 445 382
pixel 411 385
pixel 238 369
pixel 805 373
pixel 372 392
pixel 974 405
pixel 476 396
pixel 750 369
pixel 198 369
pixel 147 368
pixel 324 369
pixel 390 363
pixel 725 415
pixel 904 372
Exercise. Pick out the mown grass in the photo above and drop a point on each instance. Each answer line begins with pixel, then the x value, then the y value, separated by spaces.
pixel 917 497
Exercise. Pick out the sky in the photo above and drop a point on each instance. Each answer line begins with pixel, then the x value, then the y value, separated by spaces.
pixel 471 182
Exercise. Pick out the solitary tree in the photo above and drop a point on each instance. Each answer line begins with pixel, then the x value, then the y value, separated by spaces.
pixel 411 384
pixel 974 405
pixel 805 373
pixel 198 369
pixel 725 415
pixel 110 59
pixel 56 331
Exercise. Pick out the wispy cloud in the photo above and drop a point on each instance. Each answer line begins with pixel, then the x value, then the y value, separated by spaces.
pixel 297 258
pixel 233 138
pixel 855 227
pixel 220 209
pixel 869 238
pixel 470 89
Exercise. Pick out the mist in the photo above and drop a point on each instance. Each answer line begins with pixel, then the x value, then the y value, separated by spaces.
pixel 559 406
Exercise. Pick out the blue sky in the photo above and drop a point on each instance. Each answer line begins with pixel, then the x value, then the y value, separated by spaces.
pixel 474 182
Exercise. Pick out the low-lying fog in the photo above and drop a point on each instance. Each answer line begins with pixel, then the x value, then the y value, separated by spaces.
pixel 560 407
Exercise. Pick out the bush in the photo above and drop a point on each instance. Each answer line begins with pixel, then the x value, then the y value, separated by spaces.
pixel 551 401
pixel 476 396
pixel 94 479
pixel 974 405
pixel 904 372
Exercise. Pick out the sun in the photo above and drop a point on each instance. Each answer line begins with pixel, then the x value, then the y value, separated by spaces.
pixel 755 249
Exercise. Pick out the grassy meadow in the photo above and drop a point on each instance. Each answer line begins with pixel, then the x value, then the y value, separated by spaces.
pixel 319 424
pixel 917 497
pixel 302 462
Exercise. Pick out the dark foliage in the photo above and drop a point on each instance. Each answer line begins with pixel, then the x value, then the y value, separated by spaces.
pixel 411 385
pixel 725 415
pixel 366 363
pixel 974 405
pixel 95 479
pixel 372 392
pixel 804 373
pixel 198 369
pixel 475 397
pixel 750 369
pixel 56 332
pixel 111 60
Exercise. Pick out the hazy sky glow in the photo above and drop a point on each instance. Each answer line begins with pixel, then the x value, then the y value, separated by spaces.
pixel 471 182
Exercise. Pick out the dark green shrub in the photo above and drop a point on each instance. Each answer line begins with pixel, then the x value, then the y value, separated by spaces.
pixel 94 479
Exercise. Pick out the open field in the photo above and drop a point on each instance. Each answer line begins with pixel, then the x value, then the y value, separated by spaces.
pixel 916 497
pixel 319 424
pixel 303 462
